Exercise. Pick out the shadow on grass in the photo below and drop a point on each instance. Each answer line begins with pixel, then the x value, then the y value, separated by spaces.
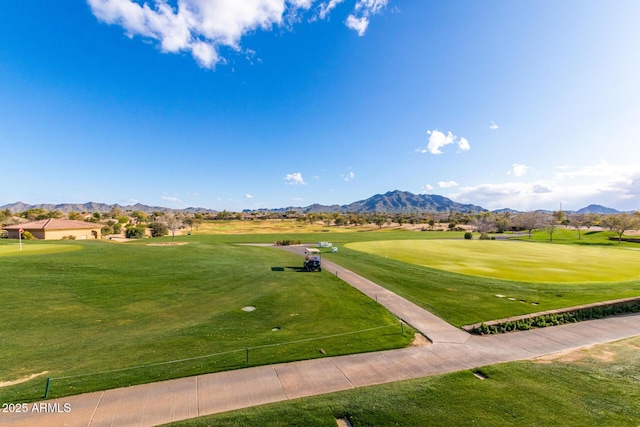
pixel 294 269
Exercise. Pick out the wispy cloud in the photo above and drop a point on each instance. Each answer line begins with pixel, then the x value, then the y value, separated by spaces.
pixel 427 187
pixel 203 27
pixel 438 140
pixel 493 126
pixel 248 196
pixel 294 179
pixel 349 175
pixel 172 199
pixel 326 7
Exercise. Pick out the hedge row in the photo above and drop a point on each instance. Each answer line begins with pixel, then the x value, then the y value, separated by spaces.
pixel 287 242
pixel 557 318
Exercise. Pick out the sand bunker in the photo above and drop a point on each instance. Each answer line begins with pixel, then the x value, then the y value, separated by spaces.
pixel 21 380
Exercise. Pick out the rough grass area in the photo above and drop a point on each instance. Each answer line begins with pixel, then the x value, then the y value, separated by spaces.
pixel 114 306
pixel 513 260
pixel 589 387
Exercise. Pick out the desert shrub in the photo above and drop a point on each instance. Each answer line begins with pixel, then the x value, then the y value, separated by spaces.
pixel 135 232
pixel 26 235
pixel 468 235
pixel 106 230
pixel 158 229
pixel 287 242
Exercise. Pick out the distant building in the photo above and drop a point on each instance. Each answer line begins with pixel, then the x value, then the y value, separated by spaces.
pixel 56 229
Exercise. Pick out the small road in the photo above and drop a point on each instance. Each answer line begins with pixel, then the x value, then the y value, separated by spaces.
pixel 451 350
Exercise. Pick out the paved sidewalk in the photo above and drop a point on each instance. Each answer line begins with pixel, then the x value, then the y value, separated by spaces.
pixel 174 400
pixel 430 325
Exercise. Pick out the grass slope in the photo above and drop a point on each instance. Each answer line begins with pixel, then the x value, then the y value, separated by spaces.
pixel 594 387
pixel 114 306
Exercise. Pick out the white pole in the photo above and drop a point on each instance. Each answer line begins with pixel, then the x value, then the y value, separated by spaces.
pixel 20 239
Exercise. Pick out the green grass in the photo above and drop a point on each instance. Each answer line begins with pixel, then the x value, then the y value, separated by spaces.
pixel 35 248
pixel 464 299
pixel 512 260
pixel 114 306
pixel 597 387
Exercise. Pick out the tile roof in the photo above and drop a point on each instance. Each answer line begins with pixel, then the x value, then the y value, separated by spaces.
pixel 53 224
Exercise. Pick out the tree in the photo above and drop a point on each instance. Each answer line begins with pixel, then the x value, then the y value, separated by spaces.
pixel 550 227
pixel 619 223
pixel 529 221
pixel 75 216
pixel 579 221
pixel 484 224
pixel 173 224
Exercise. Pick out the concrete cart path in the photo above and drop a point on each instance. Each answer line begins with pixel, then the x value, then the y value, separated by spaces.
pixel 167 401
pixel 430 325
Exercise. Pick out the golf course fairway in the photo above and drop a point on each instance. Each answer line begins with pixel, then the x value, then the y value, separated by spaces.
pixel 513 260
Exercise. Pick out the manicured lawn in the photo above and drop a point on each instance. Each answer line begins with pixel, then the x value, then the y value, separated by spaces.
pixel 464 299
pixel 513 260
pixel 114 306
pixel 594 387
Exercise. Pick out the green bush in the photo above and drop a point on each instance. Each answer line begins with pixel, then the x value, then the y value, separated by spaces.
pixel 468 235
pixel 158 229
pixel 287 242
pixel 135 232
pixel 557 318
pixel 26 235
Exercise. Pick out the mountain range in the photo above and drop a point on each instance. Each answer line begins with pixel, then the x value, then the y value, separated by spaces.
pixel 390 202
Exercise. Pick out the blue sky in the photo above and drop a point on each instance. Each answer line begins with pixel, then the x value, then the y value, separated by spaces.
pixel 272 103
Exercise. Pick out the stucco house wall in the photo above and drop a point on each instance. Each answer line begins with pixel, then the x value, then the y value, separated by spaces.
pixel 56 229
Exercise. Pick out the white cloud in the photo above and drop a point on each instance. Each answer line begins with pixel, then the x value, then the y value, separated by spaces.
pixel 359 25
pixel 203 27
pixel 294 179
pixel 613 185
pixel 447 184
pixel 518 170
pixel 463 145
pixel 248 196
pixel 359 20
pixel 427 187
pixel 438 139
pixel 493 126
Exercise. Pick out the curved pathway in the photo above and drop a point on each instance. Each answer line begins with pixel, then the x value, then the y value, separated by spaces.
pixel 451 350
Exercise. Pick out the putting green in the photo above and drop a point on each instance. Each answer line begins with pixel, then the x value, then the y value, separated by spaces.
pixel 511 260
pixel 36 249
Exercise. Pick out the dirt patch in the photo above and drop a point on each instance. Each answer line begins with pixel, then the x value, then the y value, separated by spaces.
pixel 21 380
pixel 601 353
pixel 419 340
pixel 168 244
